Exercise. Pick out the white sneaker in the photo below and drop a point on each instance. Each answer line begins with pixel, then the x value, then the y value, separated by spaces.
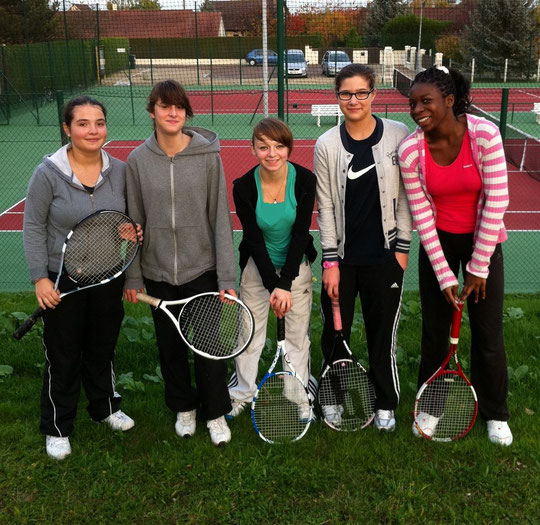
pixel 305 414
pixel 237 408
pixel 384 420
pixel 119 421
pixel 219 431
pixel 186 423
pixel 57 447
pixel 427 424
pixel 499 432
pixel 332 414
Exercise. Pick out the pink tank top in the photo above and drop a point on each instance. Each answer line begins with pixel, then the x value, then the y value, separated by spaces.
pixel 455 190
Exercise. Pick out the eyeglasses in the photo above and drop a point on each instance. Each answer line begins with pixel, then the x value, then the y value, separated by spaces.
pixel 360 95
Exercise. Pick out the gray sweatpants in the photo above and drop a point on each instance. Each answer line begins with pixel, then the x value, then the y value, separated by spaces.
pixel 242 385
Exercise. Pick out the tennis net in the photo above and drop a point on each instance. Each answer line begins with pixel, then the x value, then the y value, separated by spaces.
pixel 402 82
pixel 521 149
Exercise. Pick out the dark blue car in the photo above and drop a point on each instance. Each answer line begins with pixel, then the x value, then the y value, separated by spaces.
pixel 255 57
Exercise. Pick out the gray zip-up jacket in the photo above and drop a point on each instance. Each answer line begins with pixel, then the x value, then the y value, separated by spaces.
pixel 181 203
pixel 331 164
pixel 56 201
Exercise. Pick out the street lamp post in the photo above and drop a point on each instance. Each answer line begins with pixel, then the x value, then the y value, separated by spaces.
pixel 418 61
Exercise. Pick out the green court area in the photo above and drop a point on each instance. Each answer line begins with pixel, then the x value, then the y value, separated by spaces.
pixel 521 253
pixel 23 144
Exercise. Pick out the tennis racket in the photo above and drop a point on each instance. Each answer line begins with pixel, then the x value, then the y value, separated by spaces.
pixel 211 327
pixel 281 410
pixel 97 250
pixel 346 395
pixel 446 405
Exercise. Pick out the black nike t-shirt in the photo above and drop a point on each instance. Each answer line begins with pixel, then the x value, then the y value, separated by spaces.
pixel 364 237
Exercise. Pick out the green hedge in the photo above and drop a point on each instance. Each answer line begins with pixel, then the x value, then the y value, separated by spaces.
pixel 50 66
pixel 219 47
pixel 402 31
pixel 115 61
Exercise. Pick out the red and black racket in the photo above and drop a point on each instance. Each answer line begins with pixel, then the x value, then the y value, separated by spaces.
pixel 346 395
pixel 446 405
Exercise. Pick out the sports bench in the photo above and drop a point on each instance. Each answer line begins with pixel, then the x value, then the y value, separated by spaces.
pixel 326 110
pixel 536 111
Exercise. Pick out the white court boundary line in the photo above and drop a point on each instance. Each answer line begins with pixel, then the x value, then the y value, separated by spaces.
pixel 8 212
pixel 529 94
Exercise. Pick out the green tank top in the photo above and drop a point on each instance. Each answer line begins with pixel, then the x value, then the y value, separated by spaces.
pixel 276 220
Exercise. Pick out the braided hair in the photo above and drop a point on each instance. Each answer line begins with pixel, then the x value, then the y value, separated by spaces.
pixel 448 82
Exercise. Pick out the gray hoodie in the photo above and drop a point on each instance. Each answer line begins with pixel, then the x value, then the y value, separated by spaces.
pixel 181 203
pixel 56 201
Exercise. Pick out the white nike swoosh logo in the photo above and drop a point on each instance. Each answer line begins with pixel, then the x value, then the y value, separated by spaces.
pixel 355 174
pixel 467 166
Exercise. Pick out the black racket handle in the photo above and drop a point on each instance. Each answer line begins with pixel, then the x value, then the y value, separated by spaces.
pixel 27 325
pixel 281 329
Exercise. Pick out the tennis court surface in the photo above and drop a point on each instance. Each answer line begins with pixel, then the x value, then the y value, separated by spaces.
pixel 522 219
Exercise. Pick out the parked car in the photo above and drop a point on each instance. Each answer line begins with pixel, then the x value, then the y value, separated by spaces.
pixel 296 63
pixel 255 57
pixel 334 61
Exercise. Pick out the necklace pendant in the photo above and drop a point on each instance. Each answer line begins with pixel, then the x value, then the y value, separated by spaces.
pixel 275 201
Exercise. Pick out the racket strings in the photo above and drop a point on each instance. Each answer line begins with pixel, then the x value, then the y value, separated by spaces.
pixel 217 328
pixel 100 246
pixel 450 399
pixel 345 389
pixel 281 411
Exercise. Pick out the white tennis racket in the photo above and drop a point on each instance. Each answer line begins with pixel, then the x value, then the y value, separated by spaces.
pixel 211 327
pixel 282 409
pixel 97 250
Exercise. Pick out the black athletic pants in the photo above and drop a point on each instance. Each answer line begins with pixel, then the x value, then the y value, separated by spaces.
pixel 79 338
pixel 489 375
pixel 211 395
pixel 380 288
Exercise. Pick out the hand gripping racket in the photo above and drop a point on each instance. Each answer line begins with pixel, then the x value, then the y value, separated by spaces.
pixel 97 250
pixel 209 326
pixel 446 405
pixel 346 395
pixel 281 410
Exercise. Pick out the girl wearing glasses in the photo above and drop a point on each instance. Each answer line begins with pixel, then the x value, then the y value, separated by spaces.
pixel 365 227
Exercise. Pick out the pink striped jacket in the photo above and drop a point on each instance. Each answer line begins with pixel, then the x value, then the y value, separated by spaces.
pixel 488 155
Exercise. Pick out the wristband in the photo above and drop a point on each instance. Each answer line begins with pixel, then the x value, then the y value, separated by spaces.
pixel 330 264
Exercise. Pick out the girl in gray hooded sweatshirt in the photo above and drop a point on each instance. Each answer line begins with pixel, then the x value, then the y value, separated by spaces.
pixel 80 331
pixel 176 190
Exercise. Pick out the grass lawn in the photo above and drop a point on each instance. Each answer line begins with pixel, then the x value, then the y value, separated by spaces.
pixel 149 475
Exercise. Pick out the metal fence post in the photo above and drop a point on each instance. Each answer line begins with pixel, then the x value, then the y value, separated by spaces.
pixel 60 112
pixel 280 50
pixel 504 111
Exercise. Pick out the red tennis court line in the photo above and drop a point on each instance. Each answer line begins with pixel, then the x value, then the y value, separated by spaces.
pixel 522 214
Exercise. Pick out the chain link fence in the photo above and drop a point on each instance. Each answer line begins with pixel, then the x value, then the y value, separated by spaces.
pixel 216 49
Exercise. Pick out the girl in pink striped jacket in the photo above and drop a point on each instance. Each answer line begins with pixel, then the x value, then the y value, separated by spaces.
pixel 454 171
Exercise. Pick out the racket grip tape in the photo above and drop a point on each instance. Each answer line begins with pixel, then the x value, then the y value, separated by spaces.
pixel 281 329
pixel 456 323
pixel 148 299
pixel 336 313
pixel 27 325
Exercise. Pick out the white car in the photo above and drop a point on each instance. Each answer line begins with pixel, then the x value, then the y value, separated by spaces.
pixel 296 63
pixel 334 61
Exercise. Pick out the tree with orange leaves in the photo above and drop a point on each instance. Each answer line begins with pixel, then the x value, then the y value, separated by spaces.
pixel 332 25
